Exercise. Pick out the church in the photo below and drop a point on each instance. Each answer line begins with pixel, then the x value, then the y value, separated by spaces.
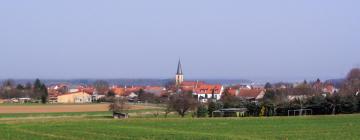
pixel 179 75
pixel 204 92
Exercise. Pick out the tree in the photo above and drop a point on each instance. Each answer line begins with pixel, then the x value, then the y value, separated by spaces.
pixel 182 103
pixel 149 98
pixel 334 101
pixel 213 106
pixel 44 94
pixel 101 86
pixel 168 108
pixel 318 104
pixel 28 86
pixel 37 84
pixel 352 83
pixel 110 93
pixel 253 108
pixel 348 104
pixel 119 105
pixel 353 74
pixel 231 101
pixel 20 87
pixel 268 86
pixel 40 91
pixel 201 111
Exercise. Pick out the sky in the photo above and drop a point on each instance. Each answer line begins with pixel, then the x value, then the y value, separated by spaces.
pixel 228 39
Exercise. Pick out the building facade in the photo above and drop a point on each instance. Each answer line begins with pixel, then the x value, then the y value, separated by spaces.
pixel 77 97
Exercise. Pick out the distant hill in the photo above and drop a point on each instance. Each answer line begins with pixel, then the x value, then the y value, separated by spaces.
pixel 129 82
pixel 225 81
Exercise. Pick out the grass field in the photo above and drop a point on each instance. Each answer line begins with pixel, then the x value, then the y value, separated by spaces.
pixel 99 126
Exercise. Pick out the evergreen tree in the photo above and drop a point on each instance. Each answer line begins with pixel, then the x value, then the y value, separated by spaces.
pixel 44 94
pixel 268 85
pixel 40 91
pixel 201 111
pixel 37 85
pixel 213 106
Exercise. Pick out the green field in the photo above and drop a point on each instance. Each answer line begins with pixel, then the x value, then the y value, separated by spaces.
pixel 98 126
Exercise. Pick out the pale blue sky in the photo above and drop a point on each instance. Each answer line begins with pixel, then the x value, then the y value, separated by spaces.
pixel 254 39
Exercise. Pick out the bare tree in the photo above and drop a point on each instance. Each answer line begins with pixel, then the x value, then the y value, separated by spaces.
pixel 119 105
pixel 8 84
pixel 168 109
pixel 352 84
pixel 101 86
pixel 353 74
pixel 182 103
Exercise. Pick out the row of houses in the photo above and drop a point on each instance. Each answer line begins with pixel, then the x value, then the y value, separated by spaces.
pixel 204 92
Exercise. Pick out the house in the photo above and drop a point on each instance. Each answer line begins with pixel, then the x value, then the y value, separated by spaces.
pixel 329 89
pixel 77 97
pixel 156 90
pixel 24 100
pixel 119 91
pixel 232 91
pixel 190 86
pixel 53 94
pixel 132 95
pixel 62 87
pixel 251 94
pixel 53 99
pixel 205 92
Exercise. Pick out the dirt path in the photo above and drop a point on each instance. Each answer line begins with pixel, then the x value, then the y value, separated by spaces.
pixel 62 108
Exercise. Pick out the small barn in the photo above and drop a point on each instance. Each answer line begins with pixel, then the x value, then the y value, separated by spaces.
pixel 230 112
pixel 118 115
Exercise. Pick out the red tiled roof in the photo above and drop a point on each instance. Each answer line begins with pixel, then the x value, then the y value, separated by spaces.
pixel 187 89
pixel 329 88
pixel 154 88
pixel 249 93
pixel 208 89
pixel 119 91
pixel 87 90
pixel 232 91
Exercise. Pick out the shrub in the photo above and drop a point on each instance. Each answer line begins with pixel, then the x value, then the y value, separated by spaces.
pixel 202 111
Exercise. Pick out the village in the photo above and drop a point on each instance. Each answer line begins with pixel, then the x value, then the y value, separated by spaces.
pixel 179 70
pixel 254 100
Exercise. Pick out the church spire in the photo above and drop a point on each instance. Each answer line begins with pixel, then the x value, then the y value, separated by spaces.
pixel 179 69
pixel 179 74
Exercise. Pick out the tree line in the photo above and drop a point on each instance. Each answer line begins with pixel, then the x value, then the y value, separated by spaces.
pixel 37 91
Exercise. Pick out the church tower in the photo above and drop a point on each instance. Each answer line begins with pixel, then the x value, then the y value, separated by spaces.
pixel 179 75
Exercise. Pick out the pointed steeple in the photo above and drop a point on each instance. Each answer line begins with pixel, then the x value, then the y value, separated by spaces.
pixel 179 75
pixel 179 69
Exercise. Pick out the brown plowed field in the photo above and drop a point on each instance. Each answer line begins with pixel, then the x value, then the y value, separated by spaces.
pixel 61 108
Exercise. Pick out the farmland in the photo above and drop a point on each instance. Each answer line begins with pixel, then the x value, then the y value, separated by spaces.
pixel 100 126
pixel 53 108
